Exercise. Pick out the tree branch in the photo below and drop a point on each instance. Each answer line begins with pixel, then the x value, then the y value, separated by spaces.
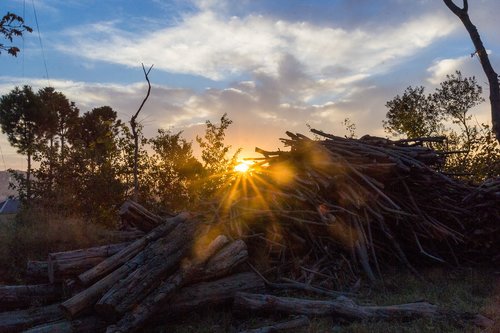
pixel 133 125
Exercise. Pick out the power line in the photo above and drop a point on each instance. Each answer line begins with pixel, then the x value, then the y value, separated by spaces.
pixel 40 40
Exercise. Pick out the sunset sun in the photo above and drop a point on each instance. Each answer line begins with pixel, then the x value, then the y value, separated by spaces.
pixel 242 167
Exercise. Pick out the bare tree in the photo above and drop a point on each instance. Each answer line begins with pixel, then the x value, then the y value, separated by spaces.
pixel 492 76
pixel 133 125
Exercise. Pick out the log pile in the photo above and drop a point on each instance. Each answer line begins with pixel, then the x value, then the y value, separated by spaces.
pixel 175 267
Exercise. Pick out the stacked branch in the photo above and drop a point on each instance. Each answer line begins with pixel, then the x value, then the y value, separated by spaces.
pixel 330 208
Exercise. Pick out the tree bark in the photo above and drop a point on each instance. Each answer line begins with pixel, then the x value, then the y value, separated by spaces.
pixel 113 262
pixel 135 134
pixel 136 216
pixel 162 259
pixel 37 270
pixel 134 320
pixel 463 15
pixel 62 265
pixel 15 297
pixel 88 297
pixel 212 293
pixel 81 325
pixel 346 309
pixel 16 321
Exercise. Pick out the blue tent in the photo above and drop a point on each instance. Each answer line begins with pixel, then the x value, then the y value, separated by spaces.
pixel 10 206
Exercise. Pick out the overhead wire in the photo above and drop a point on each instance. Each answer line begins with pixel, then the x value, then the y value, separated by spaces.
pixel 40 41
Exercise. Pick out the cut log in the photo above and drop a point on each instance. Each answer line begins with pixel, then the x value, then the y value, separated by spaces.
pixel 113 262
pixel 347 309
pixel 134 320
pixel 282 326
pixel 127 234
pixel 162 259
pixel 18 297
pixel 134 215
pixel 16 321
pixel 212 293
pixel 88 297
pixel 81 325
pixel 37 270
pixel 62 265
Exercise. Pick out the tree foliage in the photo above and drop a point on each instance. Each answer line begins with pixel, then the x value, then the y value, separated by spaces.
pixel 447 111
pixel 85 162
pixel 11 26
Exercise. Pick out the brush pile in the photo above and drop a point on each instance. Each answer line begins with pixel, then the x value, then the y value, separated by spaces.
pixel 329 209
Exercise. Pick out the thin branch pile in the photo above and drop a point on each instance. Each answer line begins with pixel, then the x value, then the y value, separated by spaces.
pixel 328 209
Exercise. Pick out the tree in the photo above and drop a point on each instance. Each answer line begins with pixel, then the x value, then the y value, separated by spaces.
pixel 413 114
pixel 218 166
pixel 23 119
pixel 12 25
pixel 463 15
pixel 172 171
pixel 133 126
pixel 446 112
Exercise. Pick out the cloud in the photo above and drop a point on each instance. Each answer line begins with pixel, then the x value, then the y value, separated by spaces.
pixel 208 45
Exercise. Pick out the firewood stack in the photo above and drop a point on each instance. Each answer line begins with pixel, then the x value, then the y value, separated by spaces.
pixel 176 267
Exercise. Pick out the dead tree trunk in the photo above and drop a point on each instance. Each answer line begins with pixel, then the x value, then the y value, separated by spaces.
pixel 346 309
pixel 16 321
pixel 16 297
pixel 134 320
pixel 134 215
pixel 113 262
pixel 62 265
pixel 133 126
pixel 463 15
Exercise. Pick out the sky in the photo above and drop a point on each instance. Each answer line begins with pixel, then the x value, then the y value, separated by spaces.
pixel 271 65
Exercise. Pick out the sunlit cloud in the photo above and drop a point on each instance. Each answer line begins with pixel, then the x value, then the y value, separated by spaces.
pixel 219 48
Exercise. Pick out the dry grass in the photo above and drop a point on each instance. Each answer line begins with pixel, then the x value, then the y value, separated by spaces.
pixel 33 234
pixel 461 290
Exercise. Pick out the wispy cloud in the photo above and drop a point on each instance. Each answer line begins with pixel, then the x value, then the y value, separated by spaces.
pixel 208 45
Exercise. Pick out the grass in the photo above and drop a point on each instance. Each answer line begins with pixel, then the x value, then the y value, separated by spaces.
pixel 466 290
pixel 33 234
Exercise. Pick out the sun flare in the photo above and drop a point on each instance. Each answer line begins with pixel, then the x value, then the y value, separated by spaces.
pixel 242 167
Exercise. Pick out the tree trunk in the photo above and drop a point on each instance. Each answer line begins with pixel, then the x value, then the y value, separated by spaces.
pixel 113 262
pixel 15 297
pixel 345 308
pixel 81 325
pixel 463 15
pixel 88 297
pixel 134 320
pixel 62 265
pixel 136 216
pixel 16 321
pixel 162 259
pixel 37 270
pixel 213 293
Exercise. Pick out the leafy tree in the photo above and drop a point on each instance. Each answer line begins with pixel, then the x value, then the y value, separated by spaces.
pixel 432 114
pixel 22 119
pixel 413 114
pixel 214 154
pixel 172 171
pixel 12 25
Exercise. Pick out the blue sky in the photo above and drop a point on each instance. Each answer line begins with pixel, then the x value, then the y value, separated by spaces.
pixel 272 65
